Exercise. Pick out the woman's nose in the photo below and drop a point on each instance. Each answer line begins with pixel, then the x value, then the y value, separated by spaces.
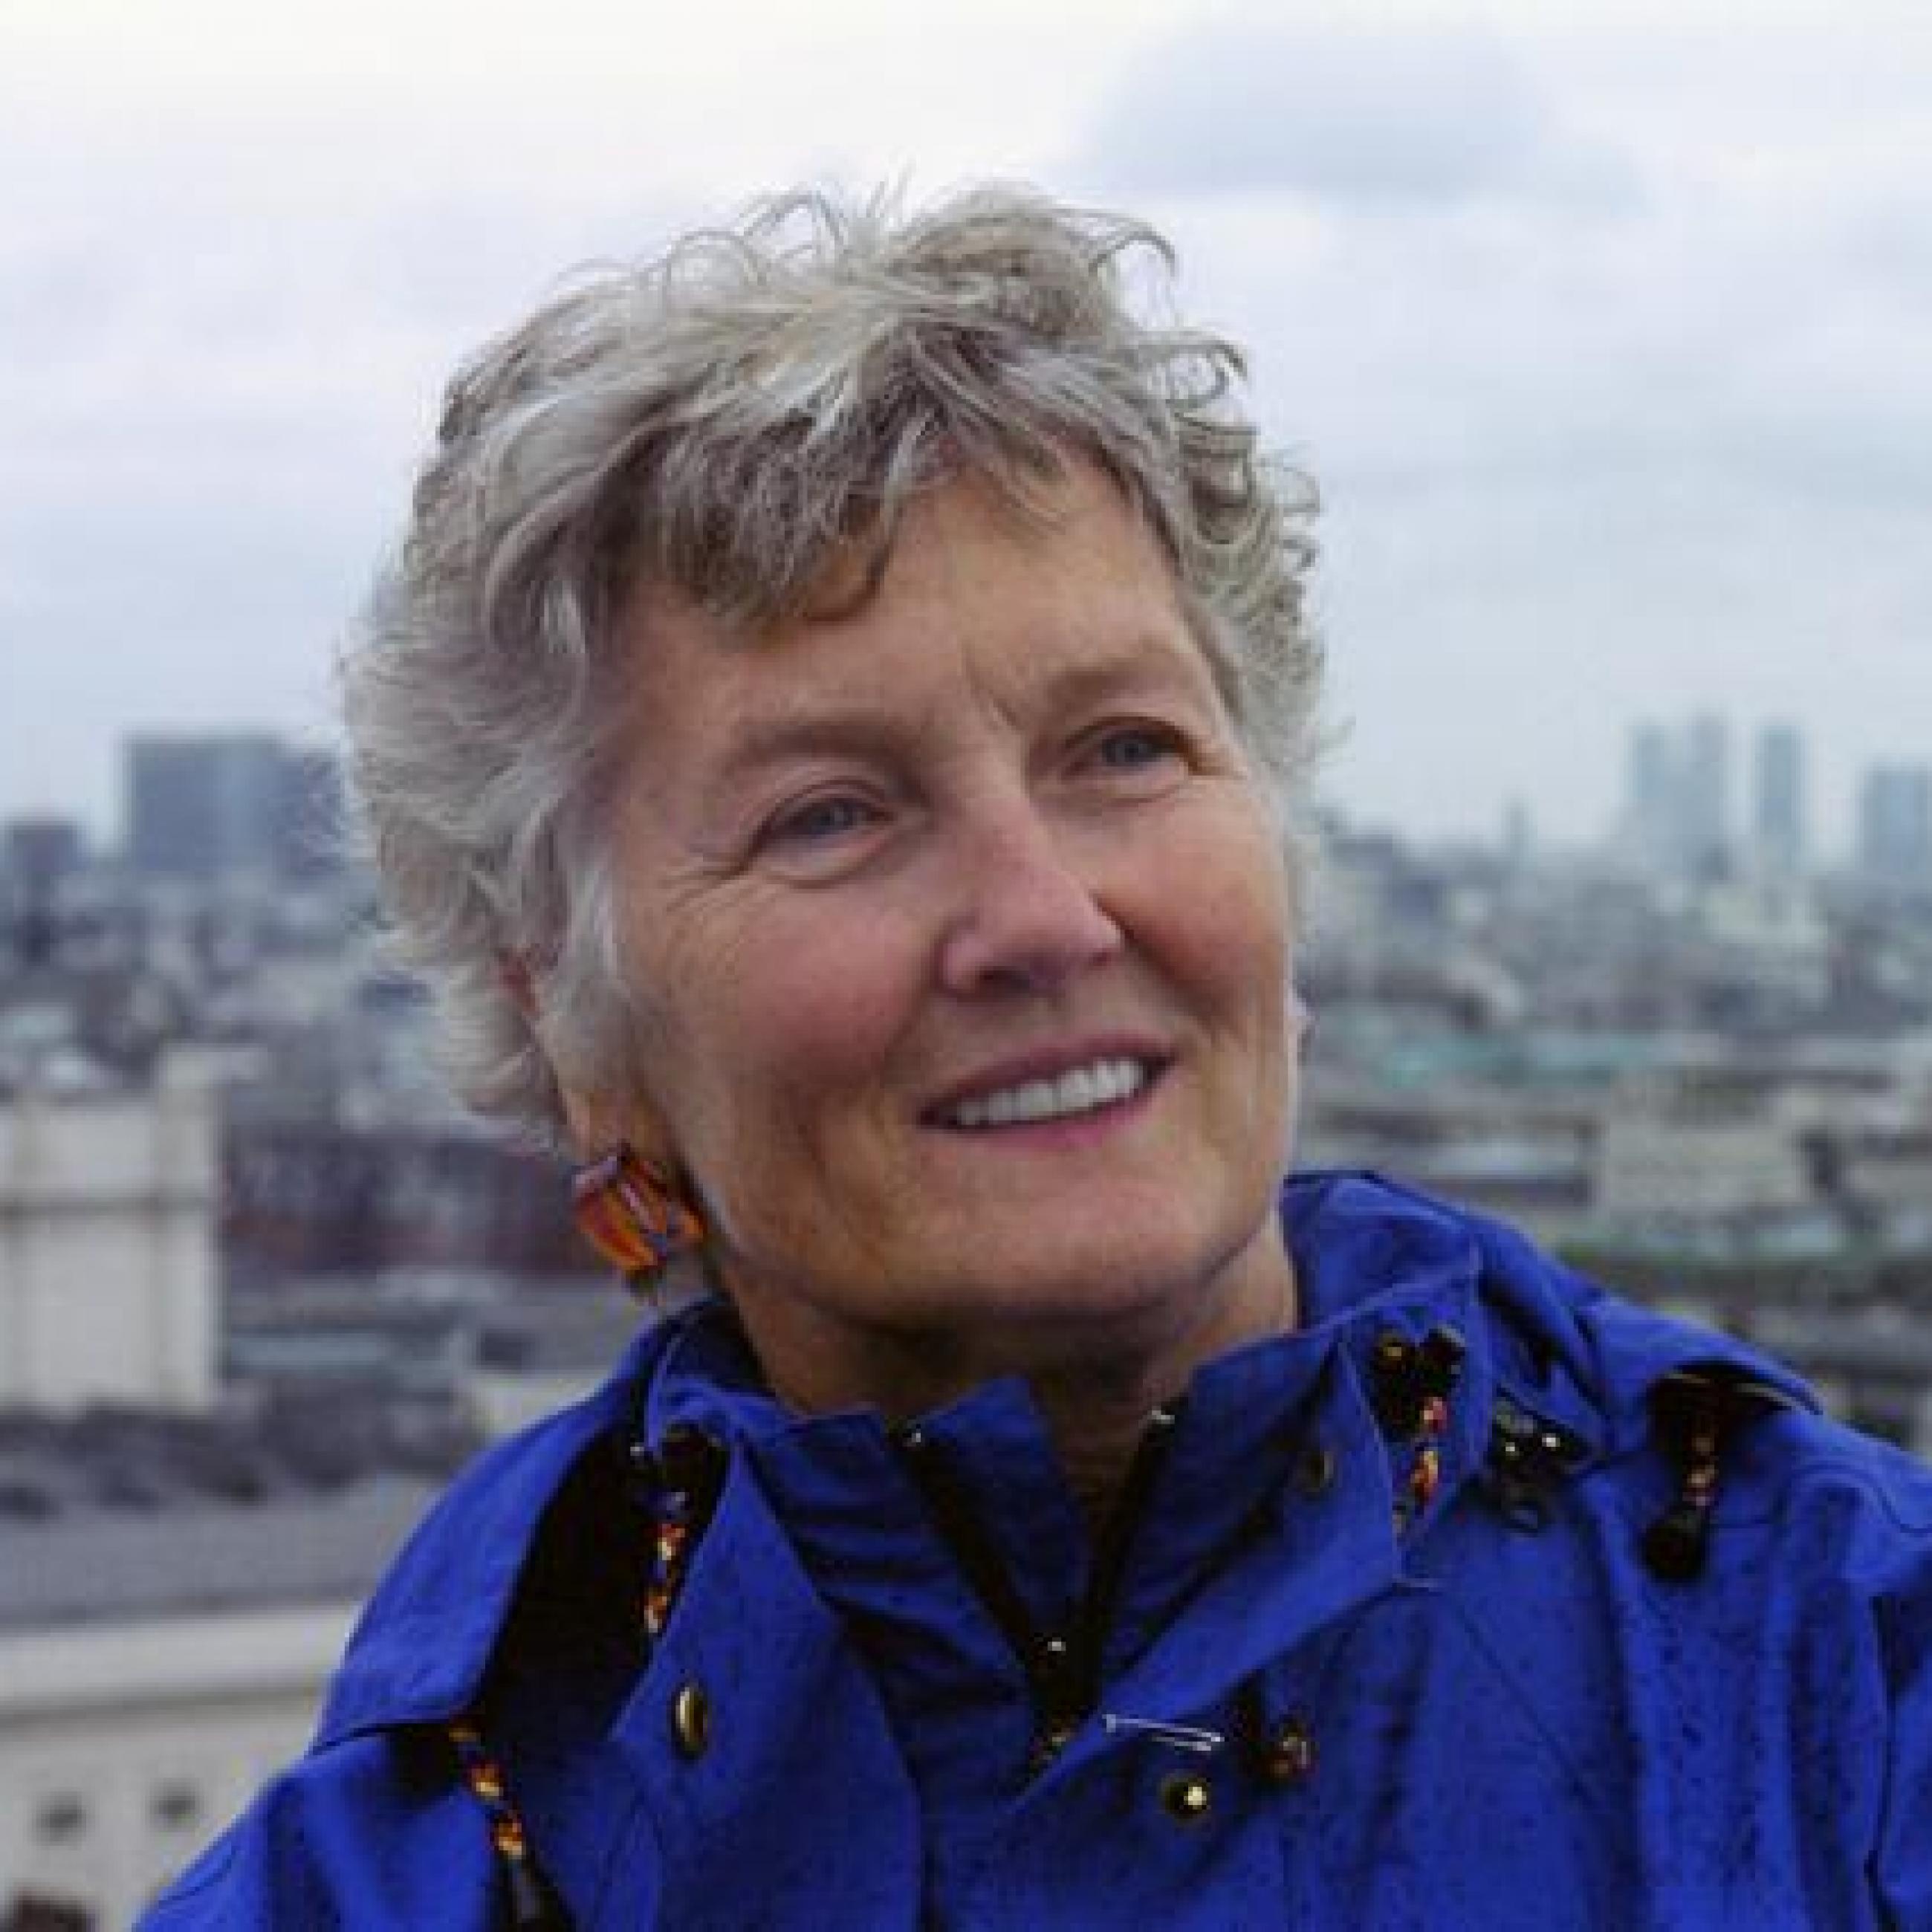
pixel 1028 916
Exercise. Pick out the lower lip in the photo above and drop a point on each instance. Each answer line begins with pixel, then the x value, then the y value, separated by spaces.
pixel 1064 1130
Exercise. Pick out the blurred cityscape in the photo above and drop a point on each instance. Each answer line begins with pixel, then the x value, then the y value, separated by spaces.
pixel 262 1288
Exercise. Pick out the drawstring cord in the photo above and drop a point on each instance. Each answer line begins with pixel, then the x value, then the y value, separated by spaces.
pixel 678 1482
pixel 1062 1671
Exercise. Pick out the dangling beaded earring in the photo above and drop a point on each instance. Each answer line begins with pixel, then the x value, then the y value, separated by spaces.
pixel 630 1212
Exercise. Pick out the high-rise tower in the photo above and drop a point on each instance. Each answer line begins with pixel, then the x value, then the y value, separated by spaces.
pixel 1778 835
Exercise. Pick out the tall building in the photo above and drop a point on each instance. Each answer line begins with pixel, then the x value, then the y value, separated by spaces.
pixel 226 806
pixel 107 1261
pixel 1706 799
pixel 1650 790
pixel 1778 833
pixel 38 857
pixel 1519 833
pixel 1894 835
pixel 37 852
pixel 1677 811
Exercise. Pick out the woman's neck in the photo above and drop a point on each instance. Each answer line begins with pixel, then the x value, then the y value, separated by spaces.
pixel 1096 1387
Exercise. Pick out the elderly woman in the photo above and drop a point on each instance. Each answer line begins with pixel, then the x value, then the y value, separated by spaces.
pixel 834 739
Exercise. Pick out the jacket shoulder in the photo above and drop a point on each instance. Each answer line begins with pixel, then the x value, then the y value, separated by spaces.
pixel 1642 1384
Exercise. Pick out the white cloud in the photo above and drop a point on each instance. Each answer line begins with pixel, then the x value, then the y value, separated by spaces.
pixel 1587 456
pixel 1603 327
pixel 1336 106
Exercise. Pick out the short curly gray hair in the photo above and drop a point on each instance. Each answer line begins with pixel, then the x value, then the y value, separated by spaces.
pixel 718 420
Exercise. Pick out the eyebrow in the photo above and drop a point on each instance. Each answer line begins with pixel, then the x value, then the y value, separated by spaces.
pixel 862 725
pixel 809 729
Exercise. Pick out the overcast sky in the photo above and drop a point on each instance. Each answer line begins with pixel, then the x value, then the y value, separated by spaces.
pixel 1606 327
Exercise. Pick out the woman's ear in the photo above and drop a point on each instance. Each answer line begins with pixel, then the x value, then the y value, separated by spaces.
pixel 586 1119
pixel 599 1122
pixel 585 1116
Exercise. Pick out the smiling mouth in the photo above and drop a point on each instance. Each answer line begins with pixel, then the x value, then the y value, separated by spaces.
pixel 1080 1089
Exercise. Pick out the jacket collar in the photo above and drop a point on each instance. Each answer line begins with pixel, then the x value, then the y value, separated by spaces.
pixel 1369 1255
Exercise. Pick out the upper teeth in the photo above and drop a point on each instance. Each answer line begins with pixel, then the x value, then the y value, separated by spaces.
pixel 1076 1092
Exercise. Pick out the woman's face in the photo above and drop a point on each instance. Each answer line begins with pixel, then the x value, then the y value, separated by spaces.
pixel 962 936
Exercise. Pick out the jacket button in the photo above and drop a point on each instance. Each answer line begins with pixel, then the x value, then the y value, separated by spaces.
pixel 1314 1470
pixel 690 1720
pixel 1288 1753
pixel 1186 1797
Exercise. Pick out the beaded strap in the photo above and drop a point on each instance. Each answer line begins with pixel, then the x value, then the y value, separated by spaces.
pixel 1425 1462
pixel 1410 1386
pixel 670 1553
pixel 681 1481
pixel 534 1906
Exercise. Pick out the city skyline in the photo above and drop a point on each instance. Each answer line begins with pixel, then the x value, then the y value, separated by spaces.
pixel 1735 805
pixel 1602 331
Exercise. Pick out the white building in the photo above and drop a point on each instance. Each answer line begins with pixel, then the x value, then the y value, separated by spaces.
pixel 107 1254
pixel 123 1747
pixel 157 1661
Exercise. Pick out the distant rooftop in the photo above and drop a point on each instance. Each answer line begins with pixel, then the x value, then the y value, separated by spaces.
pixel 119 1514
pixel 101 1566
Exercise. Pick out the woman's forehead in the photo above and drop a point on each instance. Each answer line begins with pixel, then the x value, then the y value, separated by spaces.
pixel 1062 607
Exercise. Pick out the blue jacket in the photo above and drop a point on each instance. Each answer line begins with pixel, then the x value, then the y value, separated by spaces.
pixel 1483 1599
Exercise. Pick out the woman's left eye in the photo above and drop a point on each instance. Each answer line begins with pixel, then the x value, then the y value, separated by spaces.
pixel 1134 748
